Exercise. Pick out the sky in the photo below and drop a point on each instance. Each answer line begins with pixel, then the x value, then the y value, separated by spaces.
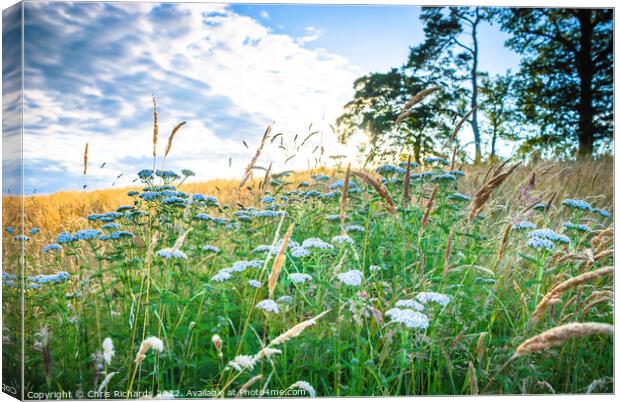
pixel 228 71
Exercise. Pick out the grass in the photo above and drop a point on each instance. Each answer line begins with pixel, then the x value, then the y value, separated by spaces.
pixel 131 289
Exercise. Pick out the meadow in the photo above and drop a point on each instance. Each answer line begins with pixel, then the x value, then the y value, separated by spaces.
pixel 400 279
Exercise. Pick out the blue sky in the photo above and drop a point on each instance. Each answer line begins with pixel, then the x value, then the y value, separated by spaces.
pixel 228 71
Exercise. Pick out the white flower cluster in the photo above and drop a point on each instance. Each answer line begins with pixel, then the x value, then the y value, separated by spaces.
pixel 409 318
pixel 342 239
pixel 351 278
pixel 299 277
pixel 409 303
pixel 268 306
pixel 225 274
pixel 242 362
pixel 439 298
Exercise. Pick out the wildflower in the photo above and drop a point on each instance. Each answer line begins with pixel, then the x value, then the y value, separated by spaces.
pixel 34 231
pixel 341 239
pixel 268 199
pixel 33 286
pixel 303 184
pixel 305 386
pixel 435 159
pixel 240 266
pixel 285 299
pixel 354 228
pixel 537 242
pixel 108 350
pixel 410 303
pixel 122 234
pixel 541 206
pixel 59 277
pixel 459 197
pixel 132 193
pixel 221 276
pixel 332 195
pixel 577 227
pixel 319 177
pixel 111 226
pixel 268 305
pixel 548 234
pixel 152 342
pixel 389 169
pixel 577 204
pixel 21 238
pixel 299 277
pixel 457 172
pixel 167 174
pixel 124 208
pixel 351 278
pixel 242 362
pixel 409 318
pixel 254 283
pixel 374 268
pixel 445 177
pixel 315 242
pixel 210 248
pixel 522 225
pixel 439 298
pixel 10 230
pixel 145 174
pixel 86 234
pixel 299 252
pixel 176 201
pixel 412 164
pixel 267 214
pixel 340 184
pixel 311 194
pixel 601 212
pixel 267 352
pixel 169 253
pixel 51 247
pixel 187 173
pixel 202 217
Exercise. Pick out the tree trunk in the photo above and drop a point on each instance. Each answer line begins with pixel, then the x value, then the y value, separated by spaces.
pixel 474 92
pixel 585 68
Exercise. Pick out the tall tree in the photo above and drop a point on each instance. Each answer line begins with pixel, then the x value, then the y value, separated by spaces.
pixel 379 99
pixel 451 39
pixel 567 74
pixel 499 107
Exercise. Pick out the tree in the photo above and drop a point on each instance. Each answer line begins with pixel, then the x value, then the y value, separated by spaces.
pixel 566 74
pixel 451 40
pixel 379 99
pixel 499 107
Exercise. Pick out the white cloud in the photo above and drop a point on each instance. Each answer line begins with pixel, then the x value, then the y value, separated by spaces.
pixel 264 14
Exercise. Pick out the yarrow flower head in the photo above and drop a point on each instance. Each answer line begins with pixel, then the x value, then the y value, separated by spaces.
pixel 601 212
pixel 410 303
pixel 538 243
pixel 354 228
pixel 522 225
pixel 254 283
pixel 459 197
pixel 439 298
pixel 210 248
pixel 268 199
pixel 34 231
pixel 170 253
pixel 445 177
pixel 21 238
pixel 299 277
pixel 541 206
pixel 222 275
pixel 457 172
pixel 341 239
pixel 319 177
pixel 59 277
pixel 86 234
pixel 549 234
pixel 409 318
pixel 51 247
pixel 351 278
pixel 374 268
pixel 315 242
pixel 285 299
pixel 268 306
pixel 242 362
pixel 578 227
pixel 435 159
pixel 412 164
pixel 188 173
pixel 577 204
pixel 389 169
pixel 65 237
pixel 145 174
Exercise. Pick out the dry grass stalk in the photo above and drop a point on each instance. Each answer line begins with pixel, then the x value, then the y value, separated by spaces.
pixel 379 188
pixel 557 290
pixel 171 137
pixel 480 346
pixel 296 330
pixel 504 244
pixel 483 195
pixel 427 212
pixel 460 124
pixel 155 131
pixel 446 257
pixel 248 384
pixel 345 194
pixel 417 98
pixel 602 237
pixel 180 240
pixel 151 249
pixel 279 260
pixel 556 336
pixel 595 299
pixel 473 381
pixel 407 183
pixel 265 182
pixel 550 201
pixel 545 384
pixel 248 169
pixel 85 158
